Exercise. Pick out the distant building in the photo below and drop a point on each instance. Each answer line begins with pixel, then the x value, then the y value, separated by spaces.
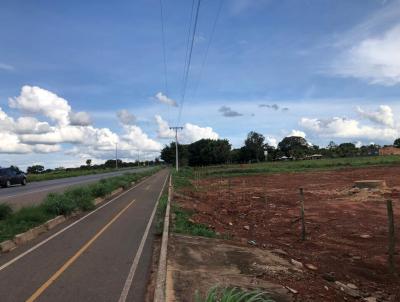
pixel 389 151
pixel 314 156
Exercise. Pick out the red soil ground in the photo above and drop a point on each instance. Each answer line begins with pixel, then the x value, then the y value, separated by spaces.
pixel 347 231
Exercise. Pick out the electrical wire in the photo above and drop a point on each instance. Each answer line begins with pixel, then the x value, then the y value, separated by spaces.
pixel 189 60
pixel 221 2
pixel 164 48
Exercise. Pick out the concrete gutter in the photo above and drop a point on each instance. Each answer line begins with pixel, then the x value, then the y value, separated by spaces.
pixel 159 292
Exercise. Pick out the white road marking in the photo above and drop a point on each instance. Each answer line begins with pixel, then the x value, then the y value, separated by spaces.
pixel 7 264
pixel 129 279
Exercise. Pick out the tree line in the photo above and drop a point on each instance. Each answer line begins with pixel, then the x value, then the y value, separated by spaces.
pixel 213 152
pixel 108 164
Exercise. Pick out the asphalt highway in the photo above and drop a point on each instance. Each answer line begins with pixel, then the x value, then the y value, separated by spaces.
pixel 102 256
pixel 34 193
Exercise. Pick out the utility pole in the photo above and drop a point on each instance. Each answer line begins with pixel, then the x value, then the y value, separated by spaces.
pixel 116 155
pixel 176 146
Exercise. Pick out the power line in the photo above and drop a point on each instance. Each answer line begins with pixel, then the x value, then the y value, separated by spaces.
pixel 189 60
pixel 187 45
pixel 164 48
pixel 221 2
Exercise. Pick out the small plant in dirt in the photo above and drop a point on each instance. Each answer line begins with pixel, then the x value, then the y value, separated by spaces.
pixel 183 225
pixel 234 294
pixel 183 178
pixel 5 211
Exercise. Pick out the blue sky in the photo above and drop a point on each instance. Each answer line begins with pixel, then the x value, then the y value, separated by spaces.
pixel 335 66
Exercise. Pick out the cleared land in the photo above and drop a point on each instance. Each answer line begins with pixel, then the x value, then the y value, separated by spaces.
pixel 347 229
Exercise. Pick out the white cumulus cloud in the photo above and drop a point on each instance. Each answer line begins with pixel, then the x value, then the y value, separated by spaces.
pixel 162 98
pixel 189 134
pixel 384 115
pixel 125 117
pixel 34 99
pixel 372 54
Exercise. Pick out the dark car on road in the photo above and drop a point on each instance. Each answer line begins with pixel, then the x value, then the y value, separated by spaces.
pixel 12 176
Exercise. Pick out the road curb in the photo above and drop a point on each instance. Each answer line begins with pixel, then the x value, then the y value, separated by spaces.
pixel 159 292
pixel 22 238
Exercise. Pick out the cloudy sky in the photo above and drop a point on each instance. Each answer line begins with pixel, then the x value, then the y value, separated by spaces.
pixel 79 77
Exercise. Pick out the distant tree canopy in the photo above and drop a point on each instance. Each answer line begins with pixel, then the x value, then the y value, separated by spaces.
pixel 254 147
pixel 35 169
pixel 209 152
pixel 111 163
pixel 294 146
pixel 397 143
pixel 88 162
pixel 168 154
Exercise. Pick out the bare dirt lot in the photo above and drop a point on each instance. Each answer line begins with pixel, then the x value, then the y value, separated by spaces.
pixel 347 229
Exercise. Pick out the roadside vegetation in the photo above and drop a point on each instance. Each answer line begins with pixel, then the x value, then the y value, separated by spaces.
pixel 208 152
pixel 234 294
pixel 72 200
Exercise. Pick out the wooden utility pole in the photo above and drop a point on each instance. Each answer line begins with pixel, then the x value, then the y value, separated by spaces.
pixel 176 146
pixel 303 222
pixel 392 238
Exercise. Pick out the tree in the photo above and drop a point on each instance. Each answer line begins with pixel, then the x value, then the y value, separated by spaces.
pixel 347 150
pixel 294 146
pixel 253 149
pixel 168 154
pixel 209 152
pixel 88 162
pixel 111 163
pixel 397 143
pixel 35 169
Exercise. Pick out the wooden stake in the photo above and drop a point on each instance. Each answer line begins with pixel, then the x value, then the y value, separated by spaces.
pixel 303 222
pixel 391 250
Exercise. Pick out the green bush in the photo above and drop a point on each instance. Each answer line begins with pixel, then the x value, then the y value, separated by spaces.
pixel 5 211
pixel 81 197
pixel 59 204
pixel 100 189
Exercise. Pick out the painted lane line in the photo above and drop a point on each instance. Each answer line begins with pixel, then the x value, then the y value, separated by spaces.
pixel 129 279
pixel 71 260
pixel 7 264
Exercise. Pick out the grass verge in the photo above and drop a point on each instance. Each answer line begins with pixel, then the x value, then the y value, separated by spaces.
pixel 160 214
pixel 184 225
pixel 216 294
pixel 79 198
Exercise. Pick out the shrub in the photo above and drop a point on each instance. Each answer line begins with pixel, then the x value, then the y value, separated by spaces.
pixel 100 189
pixel 59 204
pixel 5 211
pixel 81 197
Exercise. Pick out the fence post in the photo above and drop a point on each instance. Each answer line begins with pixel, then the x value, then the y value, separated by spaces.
pixel 391 249
pixel 303 223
